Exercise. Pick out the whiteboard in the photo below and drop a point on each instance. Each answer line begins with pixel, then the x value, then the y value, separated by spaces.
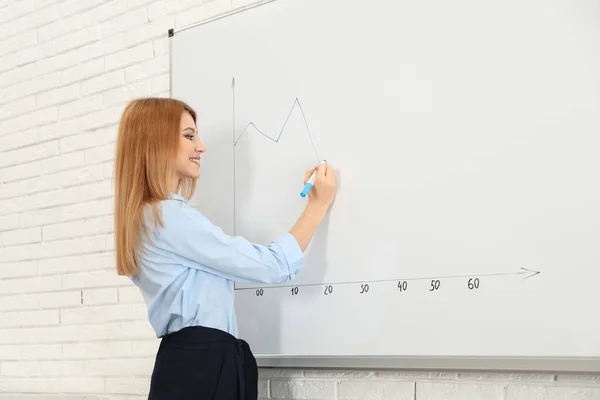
pixel 465 137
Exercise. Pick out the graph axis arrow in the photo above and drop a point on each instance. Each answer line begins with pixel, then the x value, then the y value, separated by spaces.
pixel 529 271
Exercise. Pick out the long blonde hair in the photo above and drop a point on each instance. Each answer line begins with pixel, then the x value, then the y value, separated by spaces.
pixel 146 149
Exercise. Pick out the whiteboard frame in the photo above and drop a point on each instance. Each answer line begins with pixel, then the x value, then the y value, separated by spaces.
pixel 458 363
pixel 450 363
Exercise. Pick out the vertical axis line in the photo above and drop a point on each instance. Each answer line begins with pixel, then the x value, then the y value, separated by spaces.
pixel 233 135
pixel 233 124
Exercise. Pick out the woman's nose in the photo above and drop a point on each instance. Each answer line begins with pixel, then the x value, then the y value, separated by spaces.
pixel 200 148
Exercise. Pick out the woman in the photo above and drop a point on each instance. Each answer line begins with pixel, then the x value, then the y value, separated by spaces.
pixel 183 265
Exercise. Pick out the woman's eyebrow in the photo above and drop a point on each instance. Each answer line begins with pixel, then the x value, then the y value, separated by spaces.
pixel 189 129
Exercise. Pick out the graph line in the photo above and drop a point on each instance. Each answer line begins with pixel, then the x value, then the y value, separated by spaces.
pixel 276 139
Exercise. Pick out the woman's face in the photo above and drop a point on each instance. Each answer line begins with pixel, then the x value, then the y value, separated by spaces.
pixel 190 148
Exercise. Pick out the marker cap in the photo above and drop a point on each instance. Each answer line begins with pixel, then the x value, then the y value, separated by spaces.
pixel 307 187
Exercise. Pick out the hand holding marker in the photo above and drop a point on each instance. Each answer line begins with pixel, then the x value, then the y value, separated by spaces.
pixel 320 185
pixel 311 181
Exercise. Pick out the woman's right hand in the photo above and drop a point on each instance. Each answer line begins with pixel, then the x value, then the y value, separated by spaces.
pixel 324 189
pixel 320 197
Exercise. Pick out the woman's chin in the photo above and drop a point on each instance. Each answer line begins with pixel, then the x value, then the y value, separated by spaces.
pixel 195 174
pixel 191 175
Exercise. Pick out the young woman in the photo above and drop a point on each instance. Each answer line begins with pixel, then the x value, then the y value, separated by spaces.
pixel 183 265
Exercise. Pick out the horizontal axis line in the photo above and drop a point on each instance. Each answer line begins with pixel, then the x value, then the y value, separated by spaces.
pixel 385 280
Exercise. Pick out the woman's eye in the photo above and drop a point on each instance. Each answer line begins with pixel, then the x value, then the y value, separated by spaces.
pixel 191 137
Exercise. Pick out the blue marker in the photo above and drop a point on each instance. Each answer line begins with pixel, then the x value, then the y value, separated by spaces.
pixel 310 182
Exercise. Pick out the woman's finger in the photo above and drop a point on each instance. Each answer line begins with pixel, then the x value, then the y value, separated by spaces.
pixel 307 174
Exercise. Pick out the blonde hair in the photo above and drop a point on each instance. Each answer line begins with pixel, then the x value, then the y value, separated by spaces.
pixel 146 149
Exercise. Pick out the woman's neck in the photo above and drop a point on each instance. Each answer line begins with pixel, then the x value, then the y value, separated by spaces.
pixel 174 184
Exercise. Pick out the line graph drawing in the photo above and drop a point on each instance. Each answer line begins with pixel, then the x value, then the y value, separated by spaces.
pixel 296 104
pixel 248 129
pixel 251 128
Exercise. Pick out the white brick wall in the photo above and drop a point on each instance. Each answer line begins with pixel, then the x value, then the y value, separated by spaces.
pixel 69 327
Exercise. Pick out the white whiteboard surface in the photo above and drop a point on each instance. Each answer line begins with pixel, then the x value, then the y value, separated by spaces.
pixel 466 137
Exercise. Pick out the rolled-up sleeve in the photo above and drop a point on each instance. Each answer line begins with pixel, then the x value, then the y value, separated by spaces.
pixel 190 235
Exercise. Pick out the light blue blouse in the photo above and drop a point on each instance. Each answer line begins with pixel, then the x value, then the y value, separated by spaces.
pixel 187 271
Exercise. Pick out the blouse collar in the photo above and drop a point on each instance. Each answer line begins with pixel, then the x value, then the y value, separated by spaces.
pixel 176 196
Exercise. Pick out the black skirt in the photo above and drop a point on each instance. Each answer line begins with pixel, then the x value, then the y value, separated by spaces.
pixel 198 363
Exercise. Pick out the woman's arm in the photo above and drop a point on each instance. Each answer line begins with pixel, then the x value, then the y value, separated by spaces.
pixel 306 226
pixel 192 240
pixel 198 243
